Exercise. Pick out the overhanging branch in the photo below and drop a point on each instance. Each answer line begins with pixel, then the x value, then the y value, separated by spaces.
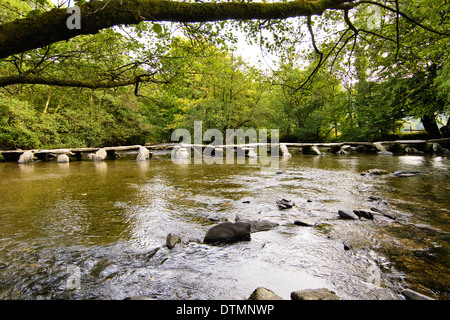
pixel 50 27
pixel 316 49
pixel 33 79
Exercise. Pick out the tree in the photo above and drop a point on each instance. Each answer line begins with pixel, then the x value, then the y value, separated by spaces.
pixel 406 57
pixel 46 25
pixel 213 86
pixel 157 48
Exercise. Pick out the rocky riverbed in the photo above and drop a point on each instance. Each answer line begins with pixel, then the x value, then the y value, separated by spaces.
pixel 84 230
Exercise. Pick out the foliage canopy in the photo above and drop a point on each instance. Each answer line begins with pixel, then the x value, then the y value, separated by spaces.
pixel 138 69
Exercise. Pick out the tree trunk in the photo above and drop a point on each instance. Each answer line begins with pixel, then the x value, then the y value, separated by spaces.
pixel 47 103
pixel 445 130
pixel 431 127
pixel 51 26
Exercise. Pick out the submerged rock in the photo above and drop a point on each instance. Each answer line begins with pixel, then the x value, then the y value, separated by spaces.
pixel 264 294
pixel 413 295
pixel 258 225
pixel 314 294
pixel 376 172
pixel 413 150
pixel 262 225
pixel 408 173
pixel 228 232
pixel 213 218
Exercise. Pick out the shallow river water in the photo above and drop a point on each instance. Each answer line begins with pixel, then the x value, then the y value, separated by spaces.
pixel 89 230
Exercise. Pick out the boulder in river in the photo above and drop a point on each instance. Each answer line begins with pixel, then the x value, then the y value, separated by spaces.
pixel 304 223
pixel 347 214
pixel 347 246
pixel 264 294
pixel 143 154
pixel 364 214
pixel 27 156
pixel 285 204
pixel 62 158
pixel 100 155
pixel 315 150
pixel 228 232
pixel 284 150
pixel 172 240
pixel 180 153
pixel 383 212
pixel 251 153
pixel 314 294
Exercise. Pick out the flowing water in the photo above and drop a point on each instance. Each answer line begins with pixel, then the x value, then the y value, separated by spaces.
pixel 89 230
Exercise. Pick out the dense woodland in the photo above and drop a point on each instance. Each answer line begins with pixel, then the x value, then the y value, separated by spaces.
pixel 354 72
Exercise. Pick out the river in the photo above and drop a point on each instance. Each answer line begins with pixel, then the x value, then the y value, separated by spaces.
pixel 87 230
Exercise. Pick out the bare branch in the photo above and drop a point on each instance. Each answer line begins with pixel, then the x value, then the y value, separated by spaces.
pixel 349 23
pixel 319 64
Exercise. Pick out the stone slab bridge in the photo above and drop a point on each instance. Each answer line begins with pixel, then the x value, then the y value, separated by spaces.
pixel 63 155
pixel 435 146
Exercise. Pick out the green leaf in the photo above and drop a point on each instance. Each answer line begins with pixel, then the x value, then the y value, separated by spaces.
pixel 33 13
pixel 157 28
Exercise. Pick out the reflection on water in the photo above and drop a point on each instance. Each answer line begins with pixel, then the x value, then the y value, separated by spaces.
pixel 110 220
pixel 411 160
